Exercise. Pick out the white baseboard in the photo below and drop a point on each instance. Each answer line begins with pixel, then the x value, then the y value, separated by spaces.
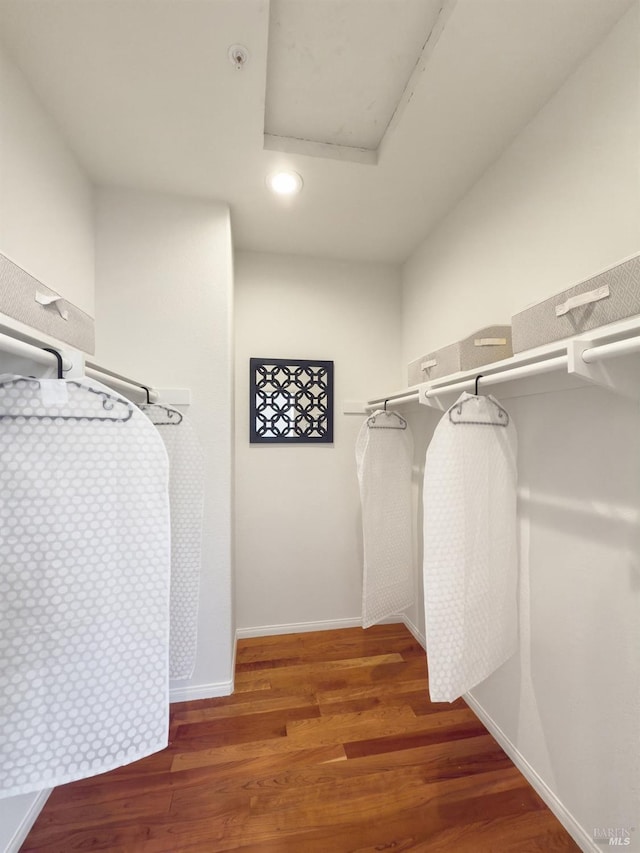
pixel 325 625
pixel 201 691
pixel 575 830
pixel 26 820
pixel 297 628
pixel 419 636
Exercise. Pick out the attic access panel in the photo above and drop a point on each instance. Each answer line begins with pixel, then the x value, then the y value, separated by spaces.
pixel 291 401
pixel 337 70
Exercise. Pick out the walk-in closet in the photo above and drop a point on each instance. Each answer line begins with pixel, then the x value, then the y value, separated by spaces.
pixel 319 425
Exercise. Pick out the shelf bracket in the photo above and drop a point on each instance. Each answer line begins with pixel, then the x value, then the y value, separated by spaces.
pixel 433 402
pixel 620 375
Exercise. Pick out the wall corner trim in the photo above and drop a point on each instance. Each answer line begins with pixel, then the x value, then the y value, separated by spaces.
pixel 201 691
pixel 575 830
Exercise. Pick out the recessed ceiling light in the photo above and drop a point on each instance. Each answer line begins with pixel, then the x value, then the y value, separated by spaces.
pixel 285 183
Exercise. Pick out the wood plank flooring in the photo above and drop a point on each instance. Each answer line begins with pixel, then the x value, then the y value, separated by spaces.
pixel 328 745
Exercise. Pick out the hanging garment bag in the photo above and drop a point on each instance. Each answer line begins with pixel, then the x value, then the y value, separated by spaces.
pixel 470 553
pixel 84 583
pixel 186 497
pixel 384 455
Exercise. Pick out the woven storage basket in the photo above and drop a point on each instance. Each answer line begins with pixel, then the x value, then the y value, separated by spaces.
pixel 490 344
pixel 26 299
pixel 605 298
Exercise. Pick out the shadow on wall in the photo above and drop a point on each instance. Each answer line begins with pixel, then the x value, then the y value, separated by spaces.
pixel 591 518
pixel 579 500
pixel 569 701
pixel 423 420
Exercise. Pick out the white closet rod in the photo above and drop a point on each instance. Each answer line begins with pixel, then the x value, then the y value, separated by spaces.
pixel 469 384
pixel 120 382
pixel 534 369
pixel 605 351
pixel 397 398
pixel 14 346
pixel 38 355
pixel 495 375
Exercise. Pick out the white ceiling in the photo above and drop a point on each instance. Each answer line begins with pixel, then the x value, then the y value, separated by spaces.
pixel 146 96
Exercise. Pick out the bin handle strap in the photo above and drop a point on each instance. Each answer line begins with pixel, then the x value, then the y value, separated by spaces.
pixel 582 299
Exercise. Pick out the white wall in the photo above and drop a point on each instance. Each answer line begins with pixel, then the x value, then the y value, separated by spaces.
pixel 562 203
pixel 46 227
pixel 164 287
pixel 298 527
pixel 46 206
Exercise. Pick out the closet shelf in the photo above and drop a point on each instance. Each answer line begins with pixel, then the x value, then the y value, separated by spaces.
pixel 607 357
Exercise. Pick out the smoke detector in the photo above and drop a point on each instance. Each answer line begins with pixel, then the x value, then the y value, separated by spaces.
pixel 238 55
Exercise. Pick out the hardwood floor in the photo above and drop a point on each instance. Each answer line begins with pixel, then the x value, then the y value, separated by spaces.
pixel 329 744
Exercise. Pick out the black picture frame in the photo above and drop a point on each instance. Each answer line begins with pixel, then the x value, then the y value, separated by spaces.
pixel 291 401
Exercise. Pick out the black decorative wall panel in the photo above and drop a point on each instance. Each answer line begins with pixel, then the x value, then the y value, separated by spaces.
pixel 291 401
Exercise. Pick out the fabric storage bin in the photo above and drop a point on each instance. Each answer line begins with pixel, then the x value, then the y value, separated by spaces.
pixel 487 345
pixel 608 296
pixel 26 299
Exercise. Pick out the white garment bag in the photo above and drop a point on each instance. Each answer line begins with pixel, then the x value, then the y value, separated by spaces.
pixel 186 498
pixel 384 455
pixel 470 550
pixel 84 583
